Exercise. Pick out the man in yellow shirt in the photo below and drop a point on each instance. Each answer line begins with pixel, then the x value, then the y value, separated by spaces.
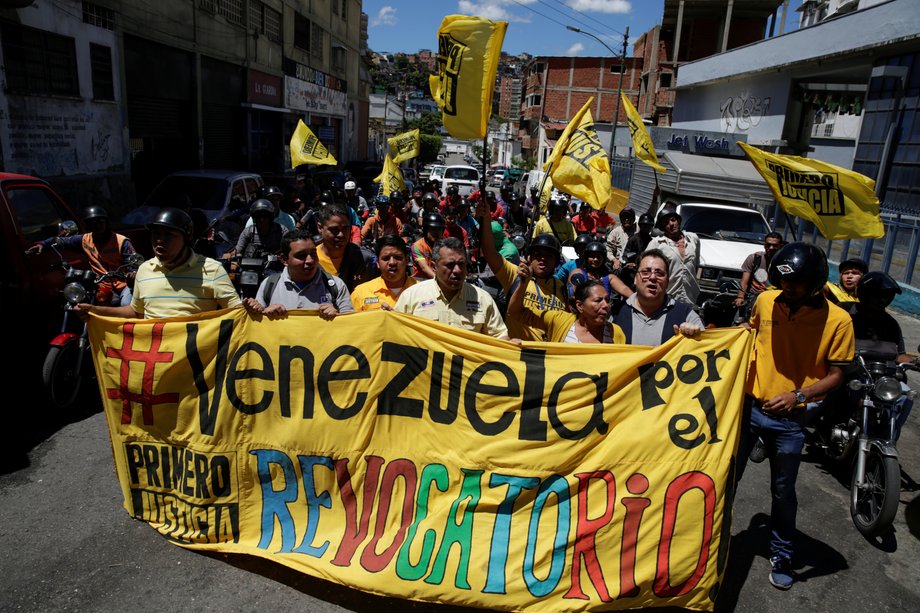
pixel 801 343
pixel 337 255
pixel 556 224
pixel 385 290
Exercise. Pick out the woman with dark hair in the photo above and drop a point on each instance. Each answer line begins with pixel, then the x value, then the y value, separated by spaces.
pixel 586 323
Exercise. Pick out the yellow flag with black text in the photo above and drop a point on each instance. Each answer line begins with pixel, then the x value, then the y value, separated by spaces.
pixel 840 202
pixel 404 146
pixel 578 164
pixel 468 54
pixel 390 179
pixel 306 148
pixel 642 142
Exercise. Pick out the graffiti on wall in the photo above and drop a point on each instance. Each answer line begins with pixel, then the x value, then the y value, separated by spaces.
pixel 743 112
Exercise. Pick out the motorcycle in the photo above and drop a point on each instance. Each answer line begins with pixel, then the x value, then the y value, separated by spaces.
pixel 720 310
pixel 251 271
pixel 865 430
pixel 67 363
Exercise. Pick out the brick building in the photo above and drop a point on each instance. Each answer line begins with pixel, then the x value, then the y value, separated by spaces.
pixel 555 88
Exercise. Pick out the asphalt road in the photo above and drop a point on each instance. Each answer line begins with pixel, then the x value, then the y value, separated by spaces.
pixel 68 545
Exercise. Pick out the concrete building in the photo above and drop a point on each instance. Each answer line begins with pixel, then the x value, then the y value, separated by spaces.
pixel 203 84
pixel 509 98
pixel 555 88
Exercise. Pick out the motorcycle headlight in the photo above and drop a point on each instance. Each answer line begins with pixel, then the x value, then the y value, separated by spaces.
pixel 74 293
pixel 887 388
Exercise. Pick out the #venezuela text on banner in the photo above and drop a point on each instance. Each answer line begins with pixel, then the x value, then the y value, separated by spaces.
pixel 429 463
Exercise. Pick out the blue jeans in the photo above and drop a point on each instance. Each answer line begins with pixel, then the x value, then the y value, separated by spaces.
pixel 784 439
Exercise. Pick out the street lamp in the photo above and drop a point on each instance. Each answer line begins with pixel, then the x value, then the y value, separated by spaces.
pixel 616 115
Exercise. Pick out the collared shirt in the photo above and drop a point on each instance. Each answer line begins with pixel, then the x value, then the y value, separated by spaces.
pixel 616 242
pixel 682 285
pixel 374 294
pixel 197 286
pixel 471 308
pixel 540 295
pixel 315 292
pixel 651 330
pixel 795 349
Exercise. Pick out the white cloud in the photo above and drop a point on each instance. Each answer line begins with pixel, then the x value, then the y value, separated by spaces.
pixel 385 17
pixel 601 6
pixel 575 49
pixel 492 9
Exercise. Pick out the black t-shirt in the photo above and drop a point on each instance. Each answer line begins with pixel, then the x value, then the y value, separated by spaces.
pixel 875 327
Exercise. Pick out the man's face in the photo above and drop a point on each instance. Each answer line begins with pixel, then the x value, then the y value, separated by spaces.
pixel 392 264
pixel 849 278
pixel 645 228
pixel 543 262
pixel 263 223
pixel 627 221
pixel 301 261
pixel 651 278
pixel 771 246
pixel 98 225
pixel 417 195
pixel 558 211
pixel 383 211
pixel 794 292
pixel 672 225
pixel 450 269
pixel 167 244
pixel 434 234
pixel 336 232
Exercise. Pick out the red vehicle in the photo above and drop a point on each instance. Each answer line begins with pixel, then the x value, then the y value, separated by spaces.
pixel 30 285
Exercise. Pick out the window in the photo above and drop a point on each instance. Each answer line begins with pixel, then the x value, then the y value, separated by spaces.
pixel 100 60
pixel 301 32
pixel 99 16
pixel 39 62
pixel 316 41
pixel 664 79
pixel 265 20
pixel 538 68
pixel 534 100
pixel 37 212
pixel 338 57
pixel 616 69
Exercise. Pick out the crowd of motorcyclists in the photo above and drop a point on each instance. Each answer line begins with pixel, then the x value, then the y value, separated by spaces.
pixel 487 263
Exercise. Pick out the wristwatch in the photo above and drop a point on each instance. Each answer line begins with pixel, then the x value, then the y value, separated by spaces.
pixel 800 397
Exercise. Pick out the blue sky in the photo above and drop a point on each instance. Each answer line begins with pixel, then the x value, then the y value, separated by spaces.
pixel 534 26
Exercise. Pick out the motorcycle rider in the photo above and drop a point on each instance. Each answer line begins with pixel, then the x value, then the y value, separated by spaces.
pixel 274 195
pixel 355 202
pixel 592 221
pixel 263 237
pixel 851 271
pixel 635 245
pixel 556 224
pixel 176 281
pixel 105 251
pixel 683 251
pixel 759 260
pixel 451 199
pixel 801 343
pixel 383 221
pixel 564 270
pixel 384 291
pixel 594 268
pixel 433 226
pixel 618 235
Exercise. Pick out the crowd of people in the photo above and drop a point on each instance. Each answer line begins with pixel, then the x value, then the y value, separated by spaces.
pixel 629 284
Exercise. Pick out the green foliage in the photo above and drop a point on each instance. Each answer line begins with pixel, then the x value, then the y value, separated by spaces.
pixel 525 163
pixel 429 147
pixel 477 151
pixel 429 123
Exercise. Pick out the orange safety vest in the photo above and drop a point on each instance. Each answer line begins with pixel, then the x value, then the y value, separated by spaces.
pixel 105 258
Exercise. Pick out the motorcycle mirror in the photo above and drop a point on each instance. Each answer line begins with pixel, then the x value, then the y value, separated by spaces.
pixel 135 260
pixel 855 385
pixel 761 276
pixel 68 228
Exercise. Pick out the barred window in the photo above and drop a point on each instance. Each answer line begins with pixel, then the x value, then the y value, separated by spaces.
pixel 301 32
pixel 39 62
pixel 265 20
pixel 231 10
pixel 99 16
pixel 209 6
pixel 317 42
pixel 100 59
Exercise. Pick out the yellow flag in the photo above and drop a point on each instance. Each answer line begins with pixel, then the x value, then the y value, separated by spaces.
pixel 642 143
pixel 404 146
pixel 578 164
pixel 840 202
pixel 306 148
pixel 390 179
pixel 468 53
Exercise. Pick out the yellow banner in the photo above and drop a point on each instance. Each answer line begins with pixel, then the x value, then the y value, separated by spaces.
pixel 390 178
pixel 642 142
pixel 468 52
pixel 581 167
pixel 840 202
pixel 307 149
pixel 403 457
pixel 404 146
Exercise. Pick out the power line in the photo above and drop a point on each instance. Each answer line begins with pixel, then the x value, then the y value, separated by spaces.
pixel 589 24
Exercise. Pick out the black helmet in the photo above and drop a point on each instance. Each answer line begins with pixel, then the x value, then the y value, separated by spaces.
pixel 545 241
pixel 269 191
pixel 581 241
pixel 382 200
pixel 801 263
pixel 877 283
pixel 173 219
pixel 430 197
pixel 629 212
pixel 262 207
pixel 665 214
pixel 646 220
pixel 515 196
pixel 327 196
pixel 856 263
pixel 595 247
pixel 94 212
pixel 453 190
pixel 559 203
pixel 433 220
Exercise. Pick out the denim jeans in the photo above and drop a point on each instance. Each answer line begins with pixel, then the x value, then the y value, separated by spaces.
pixel 784 438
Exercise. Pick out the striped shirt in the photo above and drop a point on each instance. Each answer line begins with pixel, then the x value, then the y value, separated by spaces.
pixel 197 286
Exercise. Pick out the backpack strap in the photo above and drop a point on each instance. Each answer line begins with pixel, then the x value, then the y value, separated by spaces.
pixel 332 288
pixel 269 287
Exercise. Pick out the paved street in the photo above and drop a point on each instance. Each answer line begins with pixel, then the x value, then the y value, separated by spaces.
pixel 69 546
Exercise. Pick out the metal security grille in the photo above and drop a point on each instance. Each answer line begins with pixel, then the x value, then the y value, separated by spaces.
pixel 231 10
pixel 39 62
pixel 99 16
pixel 317 42
pixel 265 20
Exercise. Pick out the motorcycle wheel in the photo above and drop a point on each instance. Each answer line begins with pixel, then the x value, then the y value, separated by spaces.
pixel 873 507
pixel 60 376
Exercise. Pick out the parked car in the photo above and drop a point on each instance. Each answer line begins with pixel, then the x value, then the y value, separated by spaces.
pixel 466 178
pixel 30 285
pixel 437 172
pixel 497 173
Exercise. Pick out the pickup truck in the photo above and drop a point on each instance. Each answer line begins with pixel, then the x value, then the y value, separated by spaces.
pixel 30 285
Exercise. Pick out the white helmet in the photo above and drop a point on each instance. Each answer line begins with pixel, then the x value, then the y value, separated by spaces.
pixel 350 185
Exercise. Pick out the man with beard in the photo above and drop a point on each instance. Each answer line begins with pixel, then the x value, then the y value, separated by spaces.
pixel 651 316
pixel 449 299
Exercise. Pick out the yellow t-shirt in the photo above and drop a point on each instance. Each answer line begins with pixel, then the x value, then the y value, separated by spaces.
pixel 565 231
pixel 330 265
pixel 795 350
pixel 539 295
pixel 558 323
pixel 372 295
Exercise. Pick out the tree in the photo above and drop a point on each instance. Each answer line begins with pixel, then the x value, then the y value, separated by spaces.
pixel 525 163
pixel 477 151
pixel 429 147
pixel 429 123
